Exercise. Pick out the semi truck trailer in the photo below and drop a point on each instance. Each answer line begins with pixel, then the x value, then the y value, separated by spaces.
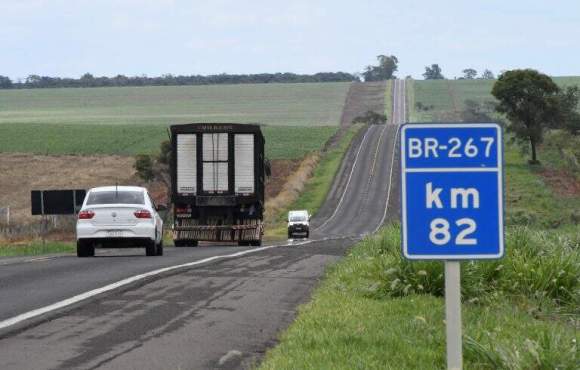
pixel 217 183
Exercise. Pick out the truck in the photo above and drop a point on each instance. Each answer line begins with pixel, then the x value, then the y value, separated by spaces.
pixel 217 183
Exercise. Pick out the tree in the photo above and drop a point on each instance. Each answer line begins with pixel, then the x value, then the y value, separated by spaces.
pixel 531 102
pixel 433 72
pixel 5 82
pixel 469 73
pixel 388 65
pixel 487 75
pixel 144 167
pixel 568 117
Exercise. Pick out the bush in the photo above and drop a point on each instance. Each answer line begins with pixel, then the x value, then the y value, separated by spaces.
pixel 539 266
pixel 144 167
pixel 371 118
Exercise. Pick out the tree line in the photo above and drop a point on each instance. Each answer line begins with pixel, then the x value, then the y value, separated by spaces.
pixel 88 80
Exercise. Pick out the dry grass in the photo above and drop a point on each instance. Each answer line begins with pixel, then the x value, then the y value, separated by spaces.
pixel 21 173
pixel 292 188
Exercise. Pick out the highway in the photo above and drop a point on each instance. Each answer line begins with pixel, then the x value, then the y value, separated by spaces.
pixel 203 311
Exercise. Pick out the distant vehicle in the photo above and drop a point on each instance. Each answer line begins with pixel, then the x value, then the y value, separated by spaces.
pixel 298 224
pixel 119 217
pixel 217 183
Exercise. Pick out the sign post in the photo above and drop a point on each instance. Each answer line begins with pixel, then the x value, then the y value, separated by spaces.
pixel 452 204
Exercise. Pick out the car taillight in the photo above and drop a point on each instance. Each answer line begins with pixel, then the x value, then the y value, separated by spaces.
pixel 142 214
pixel 86 215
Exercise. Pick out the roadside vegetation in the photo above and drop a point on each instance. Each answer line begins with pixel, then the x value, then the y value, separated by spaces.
pixel 36 248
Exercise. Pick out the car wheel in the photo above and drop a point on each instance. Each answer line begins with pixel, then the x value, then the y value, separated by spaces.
pixel 307 234
pixel 289 235
pixel 160 248
pixel 85 249
pixel 151 248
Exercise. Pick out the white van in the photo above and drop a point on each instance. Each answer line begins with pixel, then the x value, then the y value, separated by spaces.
pixel 298 224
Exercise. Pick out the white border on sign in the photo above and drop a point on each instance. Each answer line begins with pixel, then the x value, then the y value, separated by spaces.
pixel 499 190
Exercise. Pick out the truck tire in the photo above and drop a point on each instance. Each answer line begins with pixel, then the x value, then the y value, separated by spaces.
pixel 151 249
pixel 307 234
pixel 85 249
pixel 256 243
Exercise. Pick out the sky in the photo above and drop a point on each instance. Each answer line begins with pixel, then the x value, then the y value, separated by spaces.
pixel 67 38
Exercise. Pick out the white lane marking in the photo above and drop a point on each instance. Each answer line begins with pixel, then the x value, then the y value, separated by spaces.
pixel 347 183
pixel 107 288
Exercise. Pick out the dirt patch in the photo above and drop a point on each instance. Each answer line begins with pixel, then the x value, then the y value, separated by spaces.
pixel 281 170
pixel 562 183
pixel 21 173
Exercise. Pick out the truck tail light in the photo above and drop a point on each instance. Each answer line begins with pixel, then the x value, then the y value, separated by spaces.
pixel 86 215
pixel 143 213
pixel 181 210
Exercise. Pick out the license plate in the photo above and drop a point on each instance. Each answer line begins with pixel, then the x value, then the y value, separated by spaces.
pixel 114 233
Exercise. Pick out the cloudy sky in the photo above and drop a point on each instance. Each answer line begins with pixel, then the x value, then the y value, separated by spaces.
pixel 106 37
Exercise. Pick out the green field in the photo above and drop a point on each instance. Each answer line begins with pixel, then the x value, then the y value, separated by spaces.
pixel 282 142
pixel 447 97
pixel 305 104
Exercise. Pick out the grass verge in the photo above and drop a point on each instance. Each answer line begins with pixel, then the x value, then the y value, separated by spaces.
pixel 36 249
pixel 368 314
pixel 317 187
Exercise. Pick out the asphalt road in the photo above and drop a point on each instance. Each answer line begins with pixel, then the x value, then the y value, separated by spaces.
pixel 220 314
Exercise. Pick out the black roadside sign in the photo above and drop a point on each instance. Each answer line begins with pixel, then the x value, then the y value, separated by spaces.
pixel 56 202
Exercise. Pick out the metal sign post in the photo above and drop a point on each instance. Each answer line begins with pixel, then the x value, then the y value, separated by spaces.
pixel 452 204
pixel 453 314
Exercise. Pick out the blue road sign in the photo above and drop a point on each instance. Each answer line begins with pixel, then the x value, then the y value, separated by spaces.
pixel 452 191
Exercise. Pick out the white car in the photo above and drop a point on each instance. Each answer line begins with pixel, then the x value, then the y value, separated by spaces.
pixel 119 217
pixel 298 224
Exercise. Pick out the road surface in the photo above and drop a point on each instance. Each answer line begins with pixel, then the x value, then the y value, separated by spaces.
pixel 223 314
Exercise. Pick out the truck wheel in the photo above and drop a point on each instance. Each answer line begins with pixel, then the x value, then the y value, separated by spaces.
pixel 256 243
pixel 307 234
pixel 160 248
pixel 289 235
pixel 85 249
pixel 151 248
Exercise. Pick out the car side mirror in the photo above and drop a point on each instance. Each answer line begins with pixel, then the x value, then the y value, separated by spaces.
pixel 161 208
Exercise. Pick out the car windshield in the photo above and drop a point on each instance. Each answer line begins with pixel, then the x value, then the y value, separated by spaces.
pixel 116 197
pixel 297 218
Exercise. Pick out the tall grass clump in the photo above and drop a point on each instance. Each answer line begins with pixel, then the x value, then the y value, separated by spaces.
pixel 539 265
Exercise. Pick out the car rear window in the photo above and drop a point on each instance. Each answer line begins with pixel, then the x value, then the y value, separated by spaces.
pixel 116 197
pixel 297 218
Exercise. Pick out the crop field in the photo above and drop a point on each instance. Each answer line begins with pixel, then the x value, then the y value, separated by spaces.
pixel 444 99
pixel 301 104
pixel 282 142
